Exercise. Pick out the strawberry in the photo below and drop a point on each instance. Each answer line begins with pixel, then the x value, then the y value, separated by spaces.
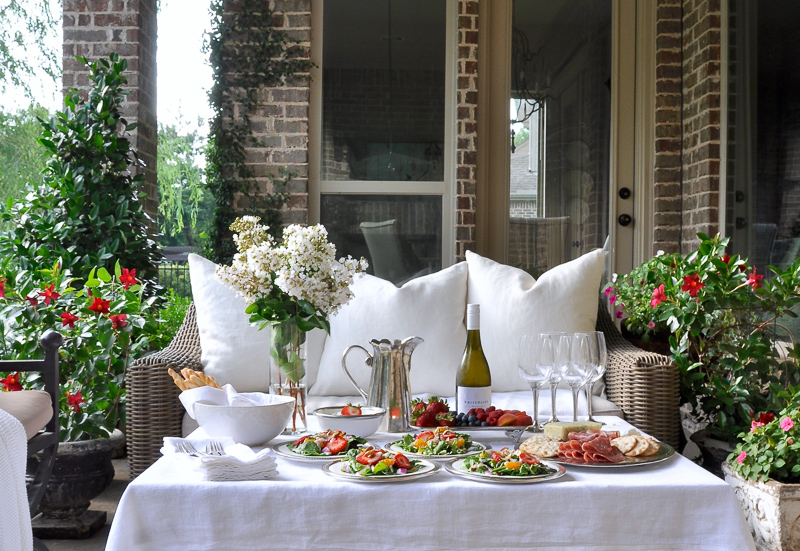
pixel 426 420
pixel 417 409
pixel 350 409
pixel 445 419
pixel 437 406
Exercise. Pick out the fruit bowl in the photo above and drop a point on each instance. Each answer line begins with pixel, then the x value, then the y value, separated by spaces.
pixel 249 425
pixel 331 418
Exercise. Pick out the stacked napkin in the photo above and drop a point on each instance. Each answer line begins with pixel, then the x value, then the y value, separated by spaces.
pixel 239 462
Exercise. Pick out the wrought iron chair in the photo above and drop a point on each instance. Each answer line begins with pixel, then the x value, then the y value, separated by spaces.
pixel 38 417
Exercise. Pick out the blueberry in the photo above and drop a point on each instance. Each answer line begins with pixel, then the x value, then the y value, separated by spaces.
pixel 473 418
pixel 484 424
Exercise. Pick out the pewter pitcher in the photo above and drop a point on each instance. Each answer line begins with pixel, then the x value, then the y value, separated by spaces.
pixel 389 385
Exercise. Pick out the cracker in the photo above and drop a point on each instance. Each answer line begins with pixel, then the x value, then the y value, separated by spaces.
pixel 654 447
pixel 625 443
pixel 540 447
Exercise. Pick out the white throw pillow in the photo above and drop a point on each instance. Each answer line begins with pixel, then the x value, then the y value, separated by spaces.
pixel 513 304
pixel 431 307
pixel 233 351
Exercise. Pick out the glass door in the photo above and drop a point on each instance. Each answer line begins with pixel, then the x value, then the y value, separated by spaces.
pixel 385 164
pixel 560 131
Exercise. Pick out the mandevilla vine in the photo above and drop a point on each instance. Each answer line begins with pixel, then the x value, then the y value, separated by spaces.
pixel 248 54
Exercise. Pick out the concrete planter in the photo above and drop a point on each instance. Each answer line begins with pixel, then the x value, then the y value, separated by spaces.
pixel 772 510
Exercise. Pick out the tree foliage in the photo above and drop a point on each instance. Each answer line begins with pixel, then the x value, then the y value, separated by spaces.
pixel 22 158
pixel 185 205
pixel 248 54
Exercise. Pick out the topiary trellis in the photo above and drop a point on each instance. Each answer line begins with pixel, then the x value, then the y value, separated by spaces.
pixel 248 54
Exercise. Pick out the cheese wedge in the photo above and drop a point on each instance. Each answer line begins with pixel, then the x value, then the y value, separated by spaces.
pixel 561 429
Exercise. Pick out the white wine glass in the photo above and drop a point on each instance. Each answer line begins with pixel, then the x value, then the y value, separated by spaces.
pixel 577 365
pixel 535 367
pixel 599 360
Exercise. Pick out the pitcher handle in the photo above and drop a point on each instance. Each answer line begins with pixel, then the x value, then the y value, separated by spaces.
pixel 367 361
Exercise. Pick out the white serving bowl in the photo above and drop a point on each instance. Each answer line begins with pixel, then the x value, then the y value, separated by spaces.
pixel 249 425
pixel 331 418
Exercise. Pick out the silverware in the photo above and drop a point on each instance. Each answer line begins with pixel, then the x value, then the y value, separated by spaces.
pixel 187 448
pixel 215 448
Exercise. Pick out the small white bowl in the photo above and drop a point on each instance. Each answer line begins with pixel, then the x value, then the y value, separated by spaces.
pixel 249 425
pixel 331 418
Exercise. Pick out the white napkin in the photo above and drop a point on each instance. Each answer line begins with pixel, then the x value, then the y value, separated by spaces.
pixel 240 462
pixel 225 396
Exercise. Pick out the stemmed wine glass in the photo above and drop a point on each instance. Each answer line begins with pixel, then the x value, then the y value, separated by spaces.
pixel 598 367
pixel 574 370
pixel 549 351
pixel 535 367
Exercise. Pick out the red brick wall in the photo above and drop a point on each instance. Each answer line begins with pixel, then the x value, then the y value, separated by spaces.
pixel 701 119
pixel 467 131
pixel 667 178
pixel 96 28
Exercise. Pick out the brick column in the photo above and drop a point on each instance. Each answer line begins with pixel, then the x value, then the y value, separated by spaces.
pixel 701 119
pixel 667 181
pixel 96 28
pixel 467 132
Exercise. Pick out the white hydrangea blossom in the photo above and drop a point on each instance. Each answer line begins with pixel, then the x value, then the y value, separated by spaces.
pixel 304 266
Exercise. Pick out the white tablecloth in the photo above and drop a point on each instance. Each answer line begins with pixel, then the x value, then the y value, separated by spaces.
pixel 672 505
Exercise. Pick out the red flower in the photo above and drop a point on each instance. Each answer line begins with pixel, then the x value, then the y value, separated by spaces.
pixel 3 287
pixel 100 306
pixel 692 284
pixel 49 294
pixel 726 258
pixel 128 278
pixel 118 320
pixel 658 296
pixel 754 280
pixel 11 383
pixel 33 300
pixel 68 319
pixel 74 401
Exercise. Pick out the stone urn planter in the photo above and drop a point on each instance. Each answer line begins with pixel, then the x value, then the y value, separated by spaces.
pixel 82 471
pixel 715 452
pixel 772 510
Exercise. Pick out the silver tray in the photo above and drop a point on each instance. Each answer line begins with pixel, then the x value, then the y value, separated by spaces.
pixel 283 450
pixel 476 447
pixel 335 469
pixel 664 452
pixel 454 467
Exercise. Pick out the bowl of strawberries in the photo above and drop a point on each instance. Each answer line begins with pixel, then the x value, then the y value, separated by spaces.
pixel 352 419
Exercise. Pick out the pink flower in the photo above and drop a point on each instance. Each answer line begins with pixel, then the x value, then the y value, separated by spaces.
pixel 755 424
pixel 608 290
pixel 741 457
pixel 658 296
pixel 618 313
pixel 789 441
pixel 787 423
pixel 612 299
pixel 651 325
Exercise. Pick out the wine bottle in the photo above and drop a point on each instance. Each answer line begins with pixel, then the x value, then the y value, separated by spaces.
pixel 473 379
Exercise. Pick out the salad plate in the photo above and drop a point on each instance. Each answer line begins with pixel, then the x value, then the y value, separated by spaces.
pixel 456 467
pixel 664 452
pixel 335 469
pixel 284 451
pixel 472 450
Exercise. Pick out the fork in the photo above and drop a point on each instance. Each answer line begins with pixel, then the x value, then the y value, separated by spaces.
pixel 187 448
pixel 215 448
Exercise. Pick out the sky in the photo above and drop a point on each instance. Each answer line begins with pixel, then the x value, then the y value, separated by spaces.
pixel 184 75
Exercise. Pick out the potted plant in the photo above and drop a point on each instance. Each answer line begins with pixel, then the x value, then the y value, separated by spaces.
pixel 764 471
pixel 106 322
pixel 721 316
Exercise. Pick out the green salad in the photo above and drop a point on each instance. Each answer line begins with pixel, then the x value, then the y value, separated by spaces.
pixel 440 441
pixel 505 462
pixel 328 443
pixel 370 461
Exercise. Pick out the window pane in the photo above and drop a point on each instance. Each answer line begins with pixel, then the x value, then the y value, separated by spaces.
pixel 401 236
pixel 561 120
pixel 383 74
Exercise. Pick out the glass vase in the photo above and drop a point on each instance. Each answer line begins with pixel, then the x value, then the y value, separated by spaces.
pixel 287 365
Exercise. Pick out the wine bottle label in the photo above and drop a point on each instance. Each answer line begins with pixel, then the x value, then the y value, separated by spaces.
pixel 469 397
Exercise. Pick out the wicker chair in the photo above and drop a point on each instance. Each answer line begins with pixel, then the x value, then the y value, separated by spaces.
pixel 644 385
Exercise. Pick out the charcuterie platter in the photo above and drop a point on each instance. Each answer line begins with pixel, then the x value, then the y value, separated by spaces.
pixel 665 452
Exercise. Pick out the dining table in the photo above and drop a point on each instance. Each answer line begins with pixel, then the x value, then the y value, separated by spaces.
pixel 672 504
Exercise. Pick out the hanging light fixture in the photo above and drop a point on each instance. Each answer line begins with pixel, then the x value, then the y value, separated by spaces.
pixel 529 84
